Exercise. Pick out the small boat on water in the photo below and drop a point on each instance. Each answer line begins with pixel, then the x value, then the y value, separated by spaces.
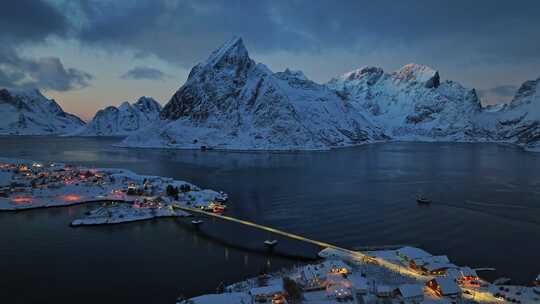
pixel 196 222
pixel 422 200
pixel 270 243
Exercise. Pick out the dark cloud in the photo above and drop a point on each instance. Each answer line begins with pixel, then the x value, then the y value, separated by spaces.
pixel 29 22
pixel 459 33
pixel 49 73
pixel 185 31
pixel 141 72
pixel 43 73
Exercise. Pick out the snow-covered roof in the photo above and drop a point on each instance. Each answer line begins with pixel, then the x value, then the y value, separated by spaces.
pixel 447 285
pixel 358 281
pixel 411 290
pixel 336 264
pixel 431 259
pixel 266 290
pixel 311 272
pixel 413 253
pixel 538 278
pixel 383 289
pixel 437 266
pixel 336 279
pixel 453 273
pixel 468 272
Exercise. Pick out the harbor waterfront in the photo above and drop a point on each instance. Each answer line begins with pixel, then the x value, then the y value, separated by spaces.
pixel 376 182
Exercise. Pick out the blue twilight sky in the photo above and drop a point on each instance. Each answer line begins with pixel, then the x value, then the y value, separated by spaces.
pixel 90 54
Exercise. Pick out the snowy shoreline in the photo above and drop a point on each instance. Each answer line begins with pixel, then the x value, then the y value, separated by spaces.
pixel 125 196
pixel 405 275
pixel 329 149
pixel 92 222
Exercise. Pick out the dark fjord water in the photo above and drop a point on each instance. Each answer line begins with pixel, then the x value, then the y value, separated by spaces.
pixel 486 213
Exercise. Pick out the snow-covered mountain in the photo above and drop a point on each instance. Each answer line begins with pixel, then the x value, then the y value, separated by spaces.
pixel 231 102
pixel 517 122
pixel 412 103
pixel 124 120
pixel 31 113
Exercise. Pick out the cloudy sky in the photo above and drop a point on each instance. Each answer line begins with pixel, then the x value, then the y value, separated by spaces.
pixel 90 54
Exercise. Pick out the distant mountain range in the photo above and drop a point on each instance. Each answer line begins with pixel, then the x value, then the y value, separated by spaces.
pixel 124 120
pixel 231 102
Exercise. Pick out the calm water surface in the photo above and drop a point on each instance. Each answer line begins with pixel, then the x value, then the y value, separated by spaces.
pixel 486 213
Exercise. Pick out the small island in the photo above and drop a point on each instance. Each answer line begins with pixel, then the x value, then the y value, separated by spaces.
pixel 124 195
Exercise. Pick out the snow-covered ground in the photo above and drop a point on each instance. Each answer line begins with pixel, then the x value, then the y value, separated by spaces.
pixel 343 277
pixel 116 213
pixel 127 196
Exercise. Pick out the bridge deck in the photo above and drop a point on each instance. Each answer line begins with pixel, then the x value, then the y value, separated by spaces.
pixel 270 229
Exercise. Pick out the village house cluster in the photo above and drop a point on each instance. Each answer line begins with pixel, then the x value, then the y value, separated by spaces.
pixel 419 277
pixel 125 196
pixel 24 182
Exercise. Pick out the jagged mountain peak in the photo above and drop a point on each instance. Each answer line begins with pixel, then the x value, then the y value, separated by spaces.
pixel 289 74
pixel 232 52
pixel 526 90
pixel 124 106
pixel 124 120
pixel 230 101
pixel 295 73
pixel 215 83
pixel 362 72
pixel 418 73
pixel 147 104
pixel 368 75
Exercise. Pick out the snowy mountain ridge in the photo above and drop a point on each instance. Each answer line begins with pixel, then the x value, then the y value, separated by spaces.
pixel 519 121
pixel 123 120
pixel 231 102
pixel 412 103
pixel 31 113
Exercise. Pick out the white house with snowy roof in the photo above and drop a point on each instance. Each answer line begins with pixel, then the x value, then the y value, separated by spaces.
pixel 411 293
pixel 445 287
pixel 411 253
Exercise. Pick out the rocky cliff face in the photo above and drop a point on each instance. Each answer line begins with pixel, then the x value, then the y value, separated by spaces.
pixel 124 120
pixel 412 103
pixel 231 102
pixel 31 113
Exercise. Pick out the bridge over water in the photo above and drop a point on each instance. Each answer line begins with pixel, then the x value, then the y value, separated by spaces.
pixel 354 255
pixel 351 254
